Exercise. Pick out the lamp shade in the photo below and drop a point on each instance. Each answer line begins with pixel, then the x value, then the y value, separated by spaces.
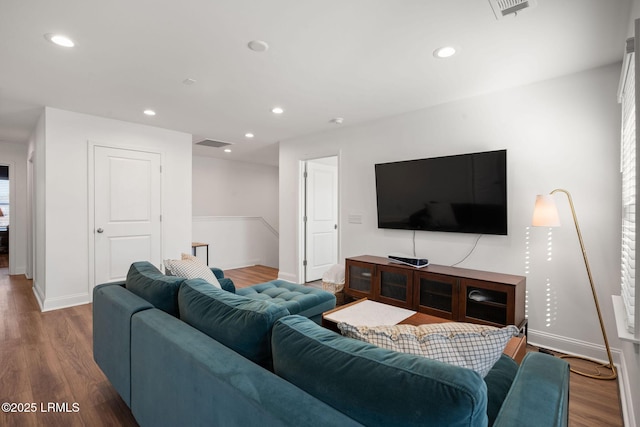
pixel 545 213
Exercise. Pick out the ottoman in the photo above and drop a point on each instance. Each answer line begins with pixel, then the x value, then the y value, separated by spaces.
pixel 298 299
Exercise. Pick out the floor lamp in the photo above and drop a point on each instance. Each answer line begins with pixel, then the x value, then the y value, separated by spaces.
pixel 545 214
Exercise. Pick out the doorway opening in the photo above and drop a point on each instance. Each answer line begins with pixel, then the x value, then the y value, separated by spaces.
pixel 5 215
pixel 320 217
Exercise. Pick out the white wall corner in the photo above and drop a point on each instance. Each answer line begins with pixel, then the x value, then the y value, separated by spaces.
pixel 39 295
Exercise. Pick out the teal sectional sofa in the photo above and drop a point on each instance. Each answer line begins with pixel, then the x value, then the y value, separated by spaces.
pixel 225 359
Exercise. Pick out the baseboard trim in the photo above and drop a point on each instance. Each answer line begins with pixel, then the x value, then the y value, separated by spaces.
pixel 50 304
pixel 241 264
pixel 628 414
pixel 38 295
pixel 288 277
pixel 21 269
pixel 571 346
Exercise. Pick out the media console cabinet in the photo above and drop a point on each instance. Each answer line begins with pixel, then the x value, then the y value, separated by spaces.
pixel 453 293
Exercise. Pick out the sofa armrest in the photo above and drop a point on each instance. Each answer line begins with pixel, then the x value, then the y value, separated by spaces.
pixel 227 285
pixel 217 272
pixel 113 307
pixel 225 282
pixel 539 395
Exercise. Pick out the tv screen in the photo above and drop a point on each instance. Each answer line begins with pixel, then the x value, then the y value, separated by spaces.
pixel 465 193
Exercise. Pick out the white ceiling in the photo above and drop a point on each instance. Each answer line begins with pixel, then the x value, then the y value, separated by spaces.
pixel 356 59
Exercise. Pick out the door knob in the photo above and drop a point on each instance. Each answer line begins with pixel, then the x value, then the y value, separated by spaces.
pixel 335 226
pixel 100 230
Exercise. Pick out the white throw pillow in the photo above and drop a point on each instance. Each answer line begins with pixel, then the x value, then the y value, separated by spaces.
pixel 467 345
pixel 191 270
pixel 189 257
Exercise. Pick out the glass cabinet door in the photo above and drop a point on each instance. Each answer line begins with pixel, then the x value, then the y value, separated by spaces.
pixel 359 279
pixel 437 295
pixel 486 303
pixel 394 286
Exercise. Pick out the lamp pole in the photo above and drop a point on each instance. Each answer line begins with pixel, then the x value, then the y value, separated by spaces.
pixel 611 366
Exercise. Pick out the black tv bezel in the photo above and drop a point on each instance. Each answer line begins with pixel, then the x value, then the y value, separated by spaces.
pixel 497 231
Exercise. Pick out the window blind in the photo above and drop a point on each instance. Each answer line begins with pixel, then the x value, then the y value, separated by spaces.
pixel 629 183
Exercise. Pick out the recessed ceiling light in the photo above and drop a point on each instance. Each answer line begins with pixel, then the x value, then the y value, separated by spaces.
pixel 249 135
pixel 149 112
pixel 227 150
pixel 337 120
pixel 444 52
pixel 60 40
pixel 277 110
pixel 258 45
pixel 188 82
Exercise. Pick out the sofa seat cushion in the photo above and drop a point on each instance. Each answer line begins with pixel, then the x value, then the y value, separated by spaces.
pixel 146 281
pixel 240 323
pixel 297 299
pixel 354 377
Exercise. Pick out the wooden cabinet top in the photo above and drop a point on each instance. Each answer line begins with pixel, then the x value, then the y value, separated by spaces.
pixel 465 273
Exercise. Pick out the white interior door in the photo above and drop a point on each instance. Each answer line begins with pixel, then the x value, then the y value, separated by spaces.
pixel 127 211
pixel 322 217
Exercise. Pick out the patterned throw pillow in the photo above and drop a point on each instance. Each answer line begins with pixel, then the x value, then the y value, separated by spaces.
pixel 467 345
pixel 191 270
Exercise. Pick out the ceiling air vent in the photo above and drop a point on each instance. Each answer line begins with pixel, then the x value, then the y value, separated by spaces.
pixel 212 143
pixel 502 8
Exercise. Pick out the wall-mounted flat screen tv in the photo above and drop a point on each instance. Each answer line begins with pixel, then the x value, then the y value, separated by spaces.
pixel 464 193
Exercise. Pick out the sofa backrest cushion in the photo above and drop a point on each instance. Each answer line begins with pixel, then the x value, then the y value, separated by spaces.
pixel 499 382
pixel 146 281
pixel 238 322
pixel 376 386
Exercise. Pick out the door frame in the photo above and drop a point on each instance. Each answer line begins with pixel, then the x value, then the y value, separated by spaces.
pixel 91 145
pixel 12 210
pixel 302 229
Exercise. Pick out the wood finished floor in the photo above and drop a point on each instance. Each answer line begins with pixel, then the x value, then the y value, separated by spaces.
pixel 48 357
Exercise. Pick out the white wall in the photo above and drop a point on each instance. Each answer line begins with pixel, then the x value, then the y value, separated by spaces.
pixel 235 208
pixel 64 204
pixel 15 155
pixel 559 133
pixel 236 241
pixel 230 188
